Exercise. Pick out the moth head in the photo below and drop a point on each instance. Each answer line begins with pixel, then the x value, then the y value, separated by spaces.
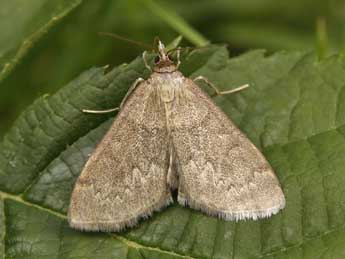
pixel 163 61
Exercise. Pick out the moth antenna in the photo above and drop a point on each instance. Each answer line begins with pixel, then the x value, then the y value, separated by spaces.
pixel 178 52
pixel 118 37
pixel 195 48
pixel 176 49
pixel 179 49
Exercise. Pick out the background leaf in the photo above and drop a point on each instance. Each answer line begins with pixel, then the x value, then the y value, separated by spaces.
pixel 23 23
pixel 72 45
pixel 293 111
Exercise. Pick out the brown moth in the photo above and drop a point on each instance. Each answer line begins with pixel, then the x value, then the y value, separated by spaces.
pixel 170 135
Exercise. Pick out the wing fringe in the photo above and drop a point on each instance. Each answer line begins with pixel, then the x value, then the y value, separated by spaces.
pixel 111 226
pixel 233 215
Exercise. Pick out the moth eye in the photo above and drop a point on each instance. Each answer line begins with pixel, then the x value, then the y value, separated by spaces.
pixel 157 59
pixel 170 57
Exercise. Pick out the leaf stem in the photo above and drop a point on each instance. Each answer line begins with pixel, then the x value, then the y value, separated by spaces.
pixel 176 22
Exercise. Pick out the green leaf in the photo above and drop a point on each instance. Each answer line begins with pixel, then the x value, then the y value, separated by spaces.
pixel 25 22
pixel 294 112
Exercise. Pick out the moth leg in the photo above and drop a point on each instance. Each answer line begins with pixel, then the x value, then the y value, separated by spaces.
pixel 145 62
pixel 217 91
pixel 129 92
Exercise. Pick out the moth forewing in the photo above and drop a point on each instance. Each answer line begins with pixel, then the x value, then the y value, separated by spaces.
pixel 220 171
pixel 169 134
pixel 125 178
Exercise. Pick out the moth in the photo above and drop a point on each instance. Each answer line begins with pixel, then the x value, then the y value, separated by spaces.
pixel 170 135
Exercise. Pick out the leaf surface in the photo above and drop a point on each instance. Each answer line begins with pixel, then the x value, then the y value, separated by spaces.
pixel 293 111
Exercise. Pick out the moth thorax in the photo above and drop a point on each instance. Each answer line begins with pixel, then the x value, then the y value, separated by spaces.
pixel 165 67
